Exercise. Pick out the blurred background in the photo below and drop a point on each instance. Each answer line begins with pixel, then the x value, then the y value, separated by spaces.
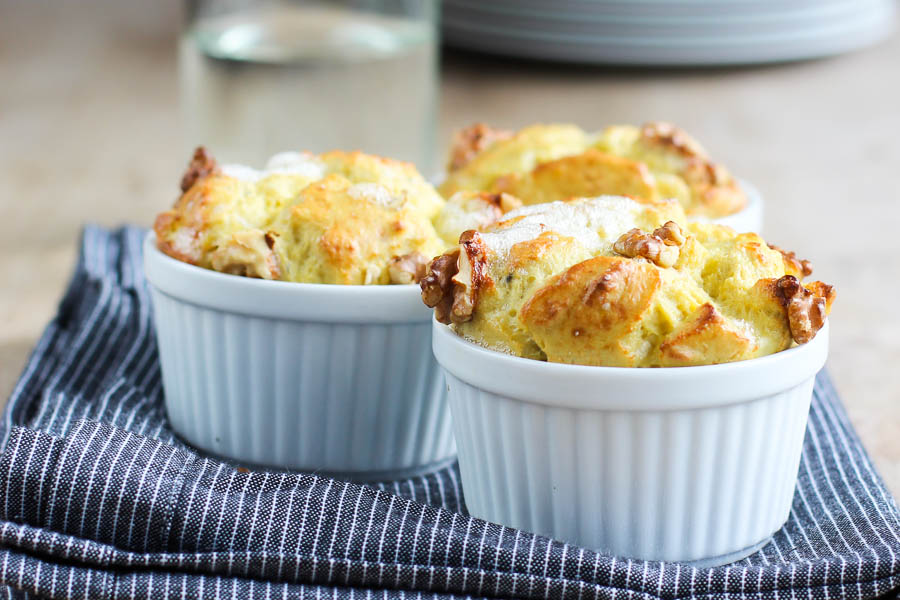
pixel 97 120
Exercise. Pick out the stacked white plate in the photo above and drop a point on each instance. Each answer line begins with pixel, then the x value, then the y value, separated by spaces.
pixel 667 32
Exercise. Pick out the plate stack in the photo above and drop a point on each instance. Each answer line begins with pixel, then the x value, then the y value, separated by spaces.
pixel 666 32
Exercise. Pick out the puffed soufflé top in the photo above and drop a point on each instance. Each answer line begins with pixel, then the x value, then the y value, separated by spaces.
pixel 547 162
pixel 614 282
pixel 337 218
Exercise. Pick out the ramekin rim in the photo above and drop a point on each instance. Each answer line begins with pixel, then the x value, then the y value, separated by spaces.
pixel 149 242
pixel 317 302
pixel 571 384
pixel 621 370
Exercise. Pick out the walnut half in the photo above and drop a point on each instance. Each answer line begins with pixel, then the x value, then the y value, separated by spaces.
pixel 409 268
pixel 662 247
pixel 471 140
pixel 806 309
pixel 666 135
pixel 454 280
pixel 502 202
pixel 437 285
pixel 799 266
pixel 248 253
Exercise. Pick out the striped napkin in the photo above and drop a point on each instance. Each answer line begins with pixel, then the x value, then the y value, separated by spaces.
pixel 98 498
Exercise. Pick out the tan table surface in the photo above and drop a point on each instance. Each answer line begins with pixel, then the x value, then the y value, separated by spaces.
pixel 89 132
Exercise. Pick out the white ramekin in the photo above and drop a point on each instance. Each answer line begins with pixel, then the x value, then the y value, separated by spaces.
pixel 691 464
pixel 331 378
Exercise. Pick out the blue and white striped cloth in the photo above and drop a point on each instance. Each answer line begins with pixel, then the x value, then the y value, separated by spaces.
pixel 100 500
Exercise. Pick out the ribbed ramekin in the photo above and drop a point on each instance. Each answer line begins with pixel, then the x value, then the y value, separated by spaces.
pixel 691 464
pixel 331 378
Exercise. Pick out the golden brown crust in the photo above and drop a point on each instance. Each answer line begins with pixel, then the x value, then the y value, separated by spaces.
pixel 471 140
pixel 704 334
pixel 793 265
pixel 187 252
pixel 806 308
pixel 561 282
pixel 342 217
pixel 437 284
pixel 584 314
pixel 409 268
pixel 545 163
pixel 661 247
pixel 202 164
pixel 589 174
pixel 714 190
pixel 523 254
pixel 187 216
pixel 339 247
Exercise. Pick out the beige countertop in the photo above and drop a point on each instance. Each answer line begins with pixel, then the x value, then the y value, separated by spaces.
pixel 89 132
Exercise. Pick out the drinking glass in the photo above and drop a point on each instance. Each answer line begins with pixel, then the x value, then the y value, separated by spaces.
pixel 259 77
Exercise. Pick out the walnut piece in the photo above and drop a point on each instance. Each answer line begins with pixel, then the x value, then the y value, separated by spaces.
pixel 202 164
pixel 470 276
pixel 795 264
pixel 249 254
pixel 666 135
pixel 670 233
pixel 437 285
pixel 662 247
pixel 471 140
pixel 502 201
pixel 409 268
pixel 806 310
pixel 454 280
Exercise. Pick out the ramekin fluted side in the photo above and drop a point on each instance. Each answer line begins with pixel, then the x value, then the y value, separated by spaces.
pixel 343 398
pixel 677 485
pixel 692 464
pixel 334 379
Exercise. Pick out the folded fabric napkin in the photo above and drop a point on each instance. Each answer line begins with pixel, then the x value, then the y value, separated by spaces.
pixel 100 500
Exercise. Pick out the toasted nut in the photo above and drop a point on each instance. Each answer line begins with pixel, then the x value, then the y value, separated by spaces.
pixel 202 164
pixel 701 174
pixel 822 290
pixel 502 202
pixel 507 202
pixel 471 140
pixel 454 280
pixel 248 253
pixel 670 234
pixel 470 276
pixel 806 309
pixel 667 135
pixel 662 247
pixel 792 263
pixel 437 285
pixel 409 268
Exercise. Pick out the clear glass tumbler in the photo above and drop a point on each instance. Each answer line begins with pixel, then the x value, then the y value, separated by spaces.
pixel 263 76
